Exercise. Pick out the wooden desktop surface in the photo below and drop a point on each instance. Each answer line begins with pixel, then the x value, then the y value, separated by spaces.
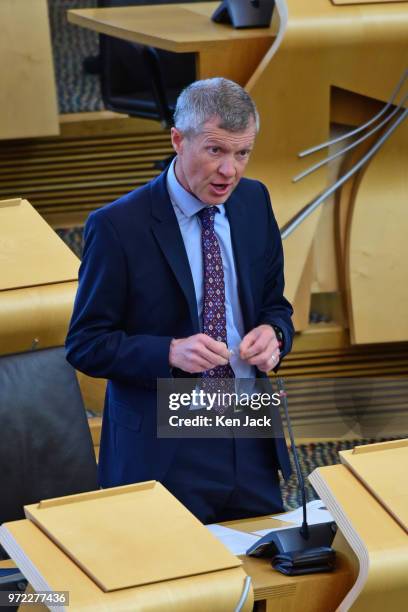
pixel 165 26
pixel 278 593
pixel 220 49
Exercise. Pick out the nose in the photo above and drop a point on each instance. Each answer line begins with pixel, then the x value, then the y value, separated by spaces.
pixel 227 167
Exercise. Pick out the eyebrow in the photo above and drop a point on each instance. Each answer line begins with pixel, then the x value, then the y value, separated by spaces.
pixel 219 143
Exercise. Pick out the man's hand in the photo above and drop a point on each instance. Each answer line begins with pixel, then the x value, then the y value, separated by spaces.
pixel 260 347
pixel 197 353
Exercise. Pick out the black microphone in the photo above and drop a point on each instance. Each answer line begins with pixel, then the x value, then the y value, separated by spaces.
pixel 293 539
pixel 304 530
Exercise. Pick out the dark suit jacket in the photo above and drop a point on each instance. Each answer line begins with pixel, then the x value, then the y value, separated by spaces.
pixel 136 293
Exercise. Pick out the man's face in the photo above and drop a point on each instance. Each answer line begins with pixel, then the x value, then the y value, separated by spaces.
pixel 210 164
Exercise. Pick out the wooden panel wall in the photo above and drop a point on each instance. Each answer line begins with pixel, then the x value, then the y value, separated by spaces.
pixel 67 177
pixel 28 98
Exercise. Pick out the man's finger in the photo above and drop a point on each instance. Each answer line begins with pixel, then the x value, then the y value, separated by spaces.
pixel 214 359
pixel 195 363
pixel 203 365
pixel 264 340
pixel 262 344
pixel 219 348
pixel 248 341
pixel 268 365
pixel 267 358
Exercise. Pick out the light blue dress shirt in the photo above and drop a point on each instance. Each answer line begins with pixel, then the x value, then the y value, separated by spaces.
pixel 186 206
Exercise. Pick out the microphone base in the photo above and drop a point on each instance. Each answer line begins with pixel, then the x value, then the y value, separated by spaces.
pixel 291 540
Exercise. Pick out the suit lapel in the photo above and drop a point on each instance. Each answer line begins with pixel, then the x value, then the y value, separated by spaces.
pixel 167 233
pixel 237 213
pixel 166 230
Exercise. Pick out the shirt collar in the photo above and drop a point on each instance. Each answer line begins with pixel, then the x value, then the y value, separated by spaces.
pixel 180 197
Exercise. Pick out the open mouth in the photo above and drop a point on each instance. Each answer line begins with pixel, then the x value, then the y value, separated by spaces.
pixel 221 188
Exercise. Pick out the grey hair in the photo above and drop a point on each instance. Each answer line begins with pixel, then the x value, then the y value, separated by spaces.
pixel 217 97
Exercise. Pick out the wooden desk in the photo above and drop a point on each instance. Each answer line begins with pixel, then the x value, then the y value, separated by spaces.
pixel 185 28
pixel 312 593
pixel 275 592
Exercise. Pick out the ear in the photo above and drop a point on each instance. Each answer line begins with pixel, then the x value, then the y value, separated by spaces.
pixel 177 139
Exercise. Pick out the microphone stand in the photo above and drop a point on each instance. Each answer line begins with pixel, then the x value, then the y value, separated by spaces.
pixel 304 530
pixel 293 539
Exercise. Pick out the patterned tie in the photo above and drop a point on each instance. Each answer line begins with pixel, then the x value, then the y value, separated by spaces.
pixel 214 318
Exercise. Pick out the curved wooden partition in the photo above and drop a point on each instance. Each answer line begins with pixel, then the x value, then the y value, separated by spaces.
pixel 377 248
pixel 367 498
pixel 358 48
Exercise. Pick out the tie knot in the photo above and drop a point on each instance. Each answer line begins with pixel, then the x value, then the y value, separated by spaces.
pixel 207 215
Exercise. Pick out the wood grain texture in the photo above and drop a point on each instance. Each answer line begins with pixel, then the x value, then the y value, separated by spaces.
pixel 291 87
pixel 91 164
pixel 35 317
pixel 382 470
pixel 135 516
pixel 239 59
pixel 377 540
pixel 377 248
pixel 313 593
pixel 38 280
pixel 28 99
pixel 93 391
pixel 31 253
pixel 356 2
pixel 175 27
pixel 345 201
pixel 302 298
pixel 48 568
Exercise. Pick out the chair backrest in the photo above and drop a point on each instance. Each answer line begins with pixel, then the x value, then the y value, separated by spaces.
pixel 45 447
pixel 127 80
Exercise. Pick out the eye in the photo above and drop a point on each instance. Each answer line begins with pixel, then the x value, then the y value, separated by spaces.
pixel 244 153
pixel 214 150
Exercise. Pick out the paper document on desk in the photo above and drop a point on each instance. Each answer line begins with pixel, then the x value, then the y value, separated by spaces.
pixel 236 541
pixel 316 513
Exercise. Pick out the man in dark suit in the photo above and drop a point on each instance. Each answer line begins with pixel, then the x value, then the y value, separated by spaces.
pixel 185 276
